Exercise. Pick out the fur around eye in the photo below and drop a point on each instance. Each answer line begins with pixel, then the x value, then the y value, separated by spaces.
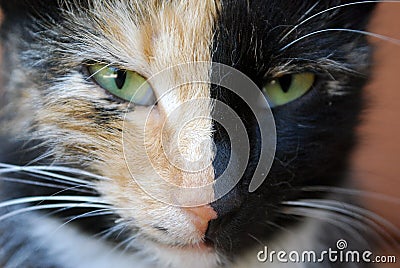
pixel 288 88
pixel 124 84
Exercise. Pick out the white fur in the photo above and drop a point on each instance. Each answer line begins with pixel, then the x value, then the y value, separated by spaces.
pixel 72 249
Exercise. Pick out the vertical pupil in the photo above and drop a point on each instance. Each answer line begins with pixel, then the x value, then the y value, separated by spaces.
pixel 120 79
pixel 285 82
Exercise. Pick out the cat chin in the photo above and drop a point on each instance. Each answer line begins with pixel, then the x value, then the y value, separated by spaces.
pixel 70 248
pixel 182 256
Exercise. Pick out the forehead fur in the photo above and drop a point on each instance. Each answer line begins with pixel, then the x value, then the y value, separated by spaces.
pixel 119 31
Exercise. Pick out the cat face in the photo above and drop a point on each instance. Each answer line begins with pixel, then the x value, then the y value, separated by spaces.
pixel 65 106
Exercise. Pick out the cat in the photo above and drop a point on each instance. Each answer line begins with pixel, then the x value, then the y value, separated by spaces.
pixel 106 132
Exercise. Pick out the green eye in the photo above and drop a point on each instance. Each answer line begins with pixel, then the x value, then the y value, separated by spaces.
pixel 288 88
pixel 127 85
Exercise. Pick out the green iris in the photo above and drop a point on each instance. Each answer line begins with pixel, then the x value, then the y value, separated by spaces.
pixel 124 84
pixel 288 88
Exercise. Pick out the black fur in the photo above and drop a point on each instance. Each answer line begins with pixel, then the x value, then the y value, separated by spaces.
pixel 315 133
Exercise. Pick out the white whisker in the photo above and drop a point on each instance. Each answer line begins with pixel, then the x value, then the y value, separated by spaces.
pixel 120 227
pixel 361 211
pixel 52 206
pixel 101 69
pixel 45 177
pixel 125 243
pixel 333 8
pixel 69 170
pixel 75 189
pixel 308 12
pixel 346 209
pixel 352 211
pixel 323 215
pixel 48 176
pixel 43 184
pixel 25 200
pixel 353 192
pixel 262 244
pixel 379 36
pixel 95 213
pixel 47 154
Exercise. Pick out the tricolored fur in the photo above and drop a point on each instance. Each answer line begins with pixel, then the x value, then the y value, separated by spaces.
pixel 79 141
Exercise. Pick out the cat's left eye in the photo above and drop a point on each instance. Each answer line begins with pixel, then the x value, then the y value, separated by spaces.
pixel 124 84
pixel 288 88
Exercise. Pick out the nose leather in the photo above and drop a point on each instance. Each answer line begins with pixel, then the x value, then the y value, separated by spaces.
pixel 201 216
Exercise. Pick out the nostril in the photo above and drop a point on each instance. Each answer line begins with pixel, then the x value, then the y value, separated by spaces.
pixel 201 216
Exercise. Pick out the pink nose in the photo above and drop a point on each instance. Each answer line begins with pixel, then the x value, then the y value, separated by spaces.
pixel 201 216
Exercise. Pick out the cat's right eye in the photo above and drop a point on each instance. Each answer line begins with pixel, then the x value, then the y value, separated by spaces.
pixel 124 84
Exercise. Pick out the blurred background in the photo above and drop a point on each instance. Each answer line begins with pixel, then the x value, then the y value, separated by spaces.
pixel 377 161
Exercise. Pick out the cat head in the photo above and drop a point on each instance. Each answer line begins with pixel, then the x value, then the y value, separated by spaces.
pixel 77 71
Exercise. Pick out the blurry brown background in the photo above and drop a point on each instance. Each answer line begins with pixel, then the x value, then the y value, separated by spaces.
pixel 377 162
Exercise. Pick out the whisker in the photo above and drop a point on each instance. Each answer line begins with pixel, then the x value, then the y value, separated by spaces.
pixel 76 182
pixel 42 169
pixel 120 227
pixel 352 192
pixel 256 239
pixel 95 213
pixel 128 246
pixel 357 213
pixel 343 223
pixel 52 206
pixel 308 11
pixel 380 237
pixel 25 200
pixel 43 184
pixel 43 156
pixel 330 9
pixel 63 208
pixel 44 177
pixel 125 243
pixel 76 189
pixel 364 212
pixel 346 209
pixel 48 176
pixel 101 69
pixel 379 36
